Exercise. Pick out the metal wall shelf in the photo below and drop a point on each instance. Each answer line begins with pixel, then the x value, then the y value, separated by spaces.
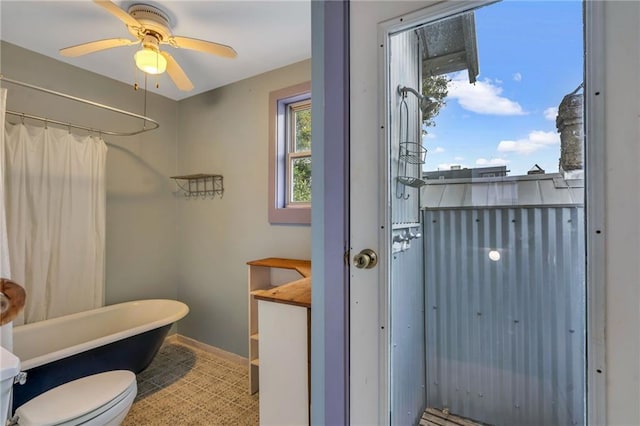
pixel 200 185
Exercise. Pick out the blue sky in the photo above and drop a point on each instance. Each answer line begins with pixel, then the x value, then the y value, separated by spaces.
pixel 530 56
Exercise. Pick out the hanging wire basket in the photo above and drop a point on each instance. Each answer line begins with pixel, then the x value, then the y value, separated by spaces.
pixel 412 152
pixel 411 181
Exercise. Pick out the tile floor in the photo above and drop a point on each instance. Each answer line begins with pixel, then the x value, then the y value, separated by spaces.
pixel 185 385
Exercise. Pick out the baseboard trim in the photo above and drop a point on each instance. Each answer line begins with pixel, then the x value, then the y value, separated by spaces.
pixel 229 356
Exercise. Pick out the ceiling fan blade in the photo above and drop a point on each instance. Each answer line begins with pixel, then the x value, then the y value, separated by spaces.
pixel 95 46
pixel 176 73
pixel 118 13
pixel 203 46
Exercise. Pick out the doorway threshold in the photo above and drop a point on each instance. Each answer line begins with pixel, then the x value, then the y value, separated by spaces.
pixel 437 417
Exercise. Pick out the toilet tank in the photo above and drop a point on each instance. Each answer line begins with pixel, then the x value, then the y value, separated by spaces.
pixel 9 368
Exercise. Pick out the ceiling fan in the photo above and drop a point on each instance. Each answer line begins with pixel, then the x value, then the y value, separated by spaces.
pixel 151 28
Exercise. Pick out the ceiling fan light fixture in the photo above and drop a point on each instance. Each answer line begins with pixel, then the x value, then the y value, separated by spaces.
pixel 150 27
pixel 150 61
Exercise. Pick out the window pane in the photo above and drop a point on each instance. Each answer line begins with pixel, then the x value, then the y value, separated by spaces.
pixel 301 178
pixel 303 130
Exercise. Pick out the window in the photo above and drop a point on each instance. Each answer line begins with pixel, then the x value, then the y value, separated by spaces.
pixel 298 135
pixel 290 155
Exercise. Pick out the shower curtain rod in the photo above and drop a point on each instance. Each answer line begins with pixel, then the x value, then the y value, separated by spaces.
pixel 145 119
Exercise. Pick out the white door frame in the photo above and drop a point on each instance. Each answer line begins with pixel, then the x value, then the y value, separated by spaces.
pixel 369 289
pixel 594 159
pixel 369 321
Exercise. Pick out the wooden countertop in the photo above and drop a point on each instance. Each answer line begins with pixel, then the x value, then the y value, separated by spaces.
pixel 302 266
pixel 296 293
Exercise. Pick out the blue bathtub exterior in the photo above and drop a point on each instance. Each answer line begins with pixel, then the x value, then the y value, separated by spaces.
pixel 133 353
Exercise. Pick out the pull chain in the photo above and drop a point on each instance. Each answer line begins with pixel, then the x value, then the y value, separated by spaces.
pixel 157 68
pixel 144 122
pixel 135 77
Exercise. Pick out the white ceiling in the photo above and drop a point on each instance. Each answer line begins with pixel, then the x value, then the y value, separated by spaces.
pixel 266 34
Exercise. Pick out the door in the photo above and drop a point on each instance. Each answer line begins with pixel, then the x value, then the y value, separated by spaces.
pixel 372 192
pixel 379 371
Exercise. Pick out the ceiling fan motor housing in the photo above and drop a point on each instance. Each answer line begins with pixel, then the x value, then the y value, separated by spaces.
pixel 150 41
pixel 154 20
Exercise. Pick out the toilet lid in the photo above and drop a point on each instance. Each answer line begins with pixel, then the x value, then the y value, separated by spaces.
pixel 88 395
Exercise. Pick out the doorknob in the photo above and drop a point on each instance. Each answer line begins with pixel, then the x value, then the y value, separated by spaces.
pixel 366 259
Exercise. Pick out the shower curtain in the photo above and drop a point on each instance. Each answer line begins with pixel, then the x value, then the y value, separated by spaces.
pixel 55 199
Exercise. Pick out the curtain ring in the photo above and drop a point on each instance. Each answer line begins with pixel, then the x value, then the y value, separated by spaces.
pixel 22 118
pixel 69 128
pixel 46 124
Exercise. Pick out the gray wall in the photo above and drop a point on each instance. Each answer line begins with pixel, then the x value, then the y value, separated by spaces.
pixel 140 220
pixel 160 245
pixel 225 131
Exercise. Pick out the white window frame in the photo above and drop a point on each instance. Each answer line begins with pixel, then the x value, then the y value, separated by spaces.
pixel 281 209
pixel 291 109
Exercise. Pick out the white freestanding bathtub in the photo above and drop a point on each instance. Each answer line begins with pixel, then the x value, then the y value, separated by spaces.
pixel 125 336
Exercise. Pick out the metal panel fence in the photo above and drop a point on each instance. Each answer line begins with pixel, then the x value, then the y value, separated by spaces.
pixel 407 336
pixel 505 314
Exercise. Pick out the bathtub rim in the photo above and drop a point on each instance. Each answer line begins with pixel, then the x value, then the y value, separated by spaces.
pixel 181 310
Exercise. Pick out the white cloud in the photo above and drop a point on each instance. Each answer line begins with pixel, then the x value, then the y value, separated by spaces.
pixel 483 97
pixel 437 150
pixel 517 77
pixel 535 141
pixel 492 162
pixel 429 136
pixel 551 113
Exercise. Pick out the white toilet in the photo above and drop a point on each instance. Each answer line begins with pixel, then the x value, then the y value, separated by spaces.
pixel 99 399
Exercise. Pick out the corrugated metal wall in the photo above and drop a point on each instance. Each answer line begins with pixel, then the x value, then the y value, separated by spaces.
pixel 407 356
pixel 506 339
pixel 404 70
pixel 407 337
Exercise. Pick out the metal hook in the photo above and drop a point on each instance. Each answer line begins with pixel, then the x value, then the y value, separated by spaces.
pixel 401 191
pixel 425 103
